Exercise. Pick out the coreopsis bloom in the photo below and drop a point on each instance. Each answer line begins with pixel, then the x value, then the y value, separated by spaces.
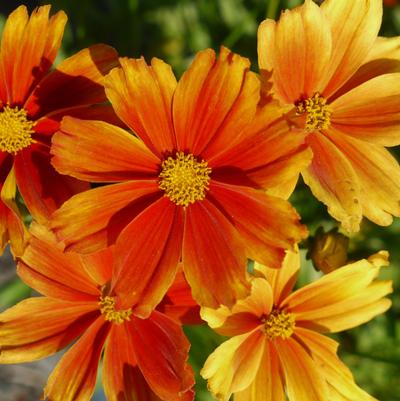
pixel 277 346
pixel 340 85
pixel 144 359
pixel 33 100
pixel 190 185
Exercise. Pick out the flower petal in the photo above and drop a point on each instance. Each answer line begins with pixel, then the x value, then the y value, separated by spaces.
pixel 74 377
pixel 142 97
pixel 78 150
pixel 371 111
pixel 42 188
pixel 281 280
pixel 77 81
pixel 46 268
pixel 333 181
pixel 233 366
pixel 153 239
pixel 301 38
pixel 303 378
pixel 355 27
pixel 385 48
pixel 161 351
pixel 342 299
pixel 39 327
pixel 213 256
pixel 378 173
pixel 336 373
pixel 93 220
pixel 28 49
pixel 268 225
pixel 267 384
pixel 122 379
pixel 208 95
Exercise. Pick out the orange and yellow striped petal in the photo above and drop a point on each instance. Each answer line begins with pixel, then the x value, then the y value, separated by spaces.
pixel 38 327
pixel 141 96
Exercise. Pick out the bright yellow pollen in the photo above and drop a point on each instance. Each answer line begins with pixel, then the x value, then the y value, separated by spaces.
pixel 184 179
pixel 318 113
pixel 15 130
pixel 279 324
pixel 107 308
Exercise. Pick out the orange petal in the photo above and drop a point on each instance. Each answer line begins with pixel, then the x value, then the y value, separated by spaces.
pixel 39 327
pixel 354 27
pixel 342 299
pixel 281 280
pixel 42 188
pixel 233 366
pixel 121 375
pixel 78 150
pixel 153 239
pixel 378 173
pixel 267 384
pixel 371 111
pixel 161 351
pixel 301 38
pixel 245 315
pixel 179 304
pixel 268 225
pixel 47 269
pixel 303 377
pixel 142 97
pixel 28 49
pixel 99 265
pixel 93 220
pixel 333 181
pixel 208 95
pixel 213 256
pixel 77 81
pixel 74 377
pixel 385 48
pixel 336 373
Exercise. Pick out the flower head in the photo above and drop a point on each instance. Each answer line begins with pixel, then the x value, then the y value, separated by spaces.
pixel 277 347
pixel 143 358
pixel 33 99
pixel 190 185
pixel 344 95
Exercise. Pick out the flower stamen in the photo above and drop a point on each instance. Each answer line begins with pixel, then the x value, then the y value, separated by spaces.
pixel 318 113
pixel 184 179
pixel 279 324
pixel 107 309
pixel 15 130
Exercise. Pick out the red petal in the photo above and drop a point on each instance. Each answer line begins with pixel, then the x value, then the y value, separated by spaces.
pixel 42 188
pixel 93 220
pixel 161 350
pixel 78 150
pixel 153 239
pixel 77 81
pixel 213 256
pixel 75 375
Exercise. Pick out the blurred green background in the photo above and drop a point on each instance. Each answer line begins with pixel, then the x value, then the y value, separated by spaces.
pixel 175 31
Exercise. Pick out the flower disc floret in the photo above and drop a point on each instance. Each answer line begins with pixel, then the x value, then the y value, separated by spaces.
pixel 279 324
pixel 318 113
pixel 184 179
pixel 15 130
pixel 108 310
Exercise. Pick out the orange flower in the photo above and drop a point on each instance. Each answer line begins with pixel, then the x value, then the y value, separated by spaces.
pixel 344 94
pixel 277 347
pixel 33 100
pixel 191 183
pixel 143 358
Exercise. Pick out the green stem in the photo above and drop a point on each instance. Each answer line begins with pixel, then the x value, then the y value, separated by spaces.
pixel 272 9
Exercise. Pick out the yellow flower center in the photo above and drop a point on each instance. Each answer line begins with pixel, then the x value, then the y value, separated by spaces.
pixel 15 130
pixel 184 179
pixel 318 113
pixel 279 324
pixel 107 308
